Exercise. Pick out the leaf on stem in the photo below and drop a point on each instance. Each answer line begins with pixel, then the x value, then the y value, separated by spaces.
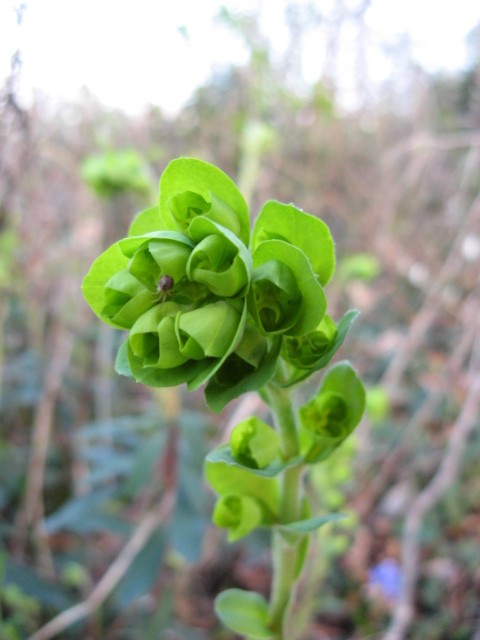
pixel 314 350
pixel 311 524
pixel 244 612
pixel 228 477
pixel 239 514
pixel 332 414
pixel 254 444
pixel 223 454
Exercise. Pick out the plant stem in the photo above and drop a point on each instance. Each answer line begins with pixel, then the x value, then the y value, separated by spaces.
pixel 284 552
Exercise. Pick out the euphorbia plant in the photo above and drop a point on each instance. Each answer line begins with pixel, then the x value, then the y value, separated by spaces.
pixel 207 301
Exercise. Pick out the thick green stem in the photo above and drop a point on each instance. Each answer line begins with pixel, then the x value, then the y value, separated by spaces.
pixel 284 554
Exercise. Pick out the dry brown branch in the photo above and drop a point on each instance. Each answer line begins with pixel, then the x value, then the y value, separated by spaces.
pixel 425 140
pixel 432 303
pixel 452 371
pixel 146 527
pixel 431 494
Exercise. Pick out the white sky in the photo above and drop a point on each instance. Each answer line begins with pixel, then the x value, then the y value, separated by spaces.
pixel 132 52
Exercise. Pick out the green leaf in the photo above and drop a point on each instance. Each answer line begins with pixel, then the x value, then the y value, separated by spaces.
pixel 244 612
pixel 222 201
pixel 314 350
pixel 239 514
pixel 153 339
pixel 332 414
pixel 378 403
pixel 311 524
pixel 103 268
pixel 122 365
pixel 209 331
pixel 359 266
pixel 230 478
pixel 277 221
pixel 223 454
pixel 28 580
pixel 115 172
pixel 153 376
pixel 157 254
pixel 126 299
pixel 254 443
pixel 145 222
pixel 212 365
pixel 250 366
pixel 143 571
pixel 283 305
pixel 220 260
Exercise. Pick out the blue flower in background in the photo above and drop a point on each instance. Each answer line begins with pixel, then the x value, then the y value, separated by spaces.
pixel 386 576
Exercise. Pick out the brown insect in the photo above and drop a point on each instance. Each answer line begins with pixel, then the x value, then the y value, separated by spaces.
pixel 164 286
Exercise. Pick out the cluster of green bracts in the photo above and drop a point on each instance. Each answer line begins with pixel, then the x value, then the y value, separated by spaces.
pixel 245 473
pixel 206 300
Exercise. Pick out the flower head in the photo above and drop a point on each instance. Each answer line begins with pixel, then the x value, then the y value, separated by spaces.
pixel 203 304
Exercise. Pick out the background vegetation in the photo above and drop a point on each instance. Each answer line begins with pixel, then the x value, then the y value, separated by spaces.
pixel 104 520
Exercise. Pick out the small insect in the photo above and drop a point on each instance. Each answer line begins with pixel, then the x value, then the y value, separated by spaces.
pixel 164 286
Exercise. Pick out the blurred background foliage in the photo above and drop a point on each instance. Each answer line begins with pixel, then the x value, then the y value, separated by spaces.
pixel 89 462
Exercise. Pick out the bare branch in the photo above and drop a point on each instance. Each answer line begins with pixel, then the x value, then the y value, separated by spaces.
pixel 430 496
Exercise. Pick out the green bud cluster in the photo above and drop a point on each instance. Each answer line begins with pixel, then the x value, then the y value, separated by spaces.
pixel 208 300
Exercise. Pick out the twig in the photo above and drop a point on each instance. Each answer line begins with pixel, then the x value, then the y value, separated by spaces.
pixel 425 140
pixel 430 308
pixel 430 496
pixel 452 371
pixel 151 520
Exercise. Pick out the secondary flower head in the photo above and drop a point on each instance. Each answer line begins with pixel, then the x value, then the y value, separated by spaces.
pixel 202 303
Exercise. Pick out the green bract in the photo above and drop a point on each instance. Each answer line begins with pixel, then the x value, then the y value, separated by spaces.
pixel 254 443
pixel 284 222
pixel 202 306
pixel 239 514
pixel 332 414
pixel 285 296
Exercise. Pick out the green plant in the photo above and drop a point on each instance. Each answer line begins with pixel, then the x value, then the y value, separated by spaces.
pixel 19 612
pixel 112 173
pixel 206 301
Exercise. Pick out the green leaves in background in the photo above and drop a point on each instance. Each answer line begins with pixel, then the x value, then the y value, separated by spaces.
pixel 332 414
pixel 359 266
pixel 116 172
